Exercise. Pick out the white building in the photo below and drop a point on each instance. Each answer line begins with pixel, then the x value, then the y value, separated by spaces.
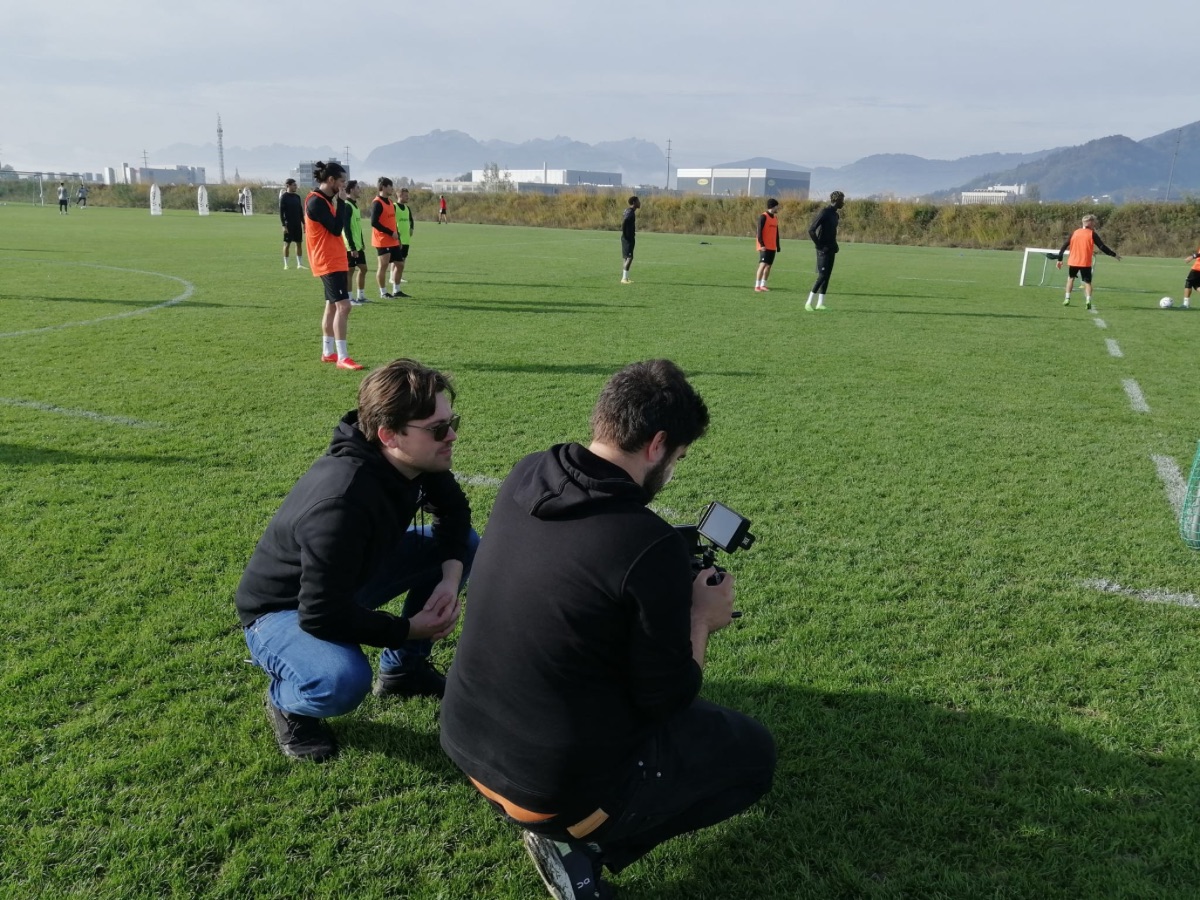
pixel 994 195
pixel 792 183
pixel 547 175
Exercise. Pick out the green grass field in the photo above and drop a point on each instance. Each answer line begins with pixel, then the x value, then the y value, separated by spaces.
pixel 935 467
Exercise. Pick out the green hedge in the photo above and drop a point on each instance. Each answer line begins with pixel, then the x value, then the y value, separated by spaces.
pixel 1137 229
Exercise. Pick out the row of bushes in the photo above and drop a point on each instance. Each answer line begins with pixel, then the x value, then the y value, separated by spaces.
pixel 1138 229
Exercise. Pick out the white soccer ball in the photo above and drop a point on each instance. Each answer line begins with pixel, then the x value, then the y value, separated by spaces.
pixel 1166 303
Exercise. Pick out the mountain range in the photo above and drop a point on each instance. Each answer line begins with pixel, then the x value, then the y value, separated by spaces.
pixel 1116 166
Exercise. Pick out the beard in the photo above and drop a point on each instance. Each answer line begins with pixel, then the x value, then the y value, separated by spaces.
pixel 658 478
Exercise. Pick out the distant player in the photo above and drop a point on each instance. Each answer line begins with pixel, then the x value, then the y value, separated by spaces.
pixel 356 257
pixel 442 217
pixel 629 236
pixel 404 231
pixel 1082 245
pixel 767 234
pixel 383 232
pixel 81 197
pixel 64 202
pixel 823 232
pixel 1192 281
pixel 324 211
pixel 291 216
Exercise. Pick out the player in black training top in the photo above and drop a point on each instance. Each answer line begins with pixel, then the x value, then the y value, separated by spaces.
pixel 823 232
pixel 291 216
pixel 629 236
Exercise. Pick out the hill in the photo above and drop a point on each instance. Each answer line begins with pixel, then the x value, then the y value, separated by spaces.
pixel 1114 166
pixel 448 154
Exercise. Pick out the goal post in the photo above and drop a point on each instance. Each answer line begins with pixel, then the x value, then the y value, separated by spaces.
pixel 1046 255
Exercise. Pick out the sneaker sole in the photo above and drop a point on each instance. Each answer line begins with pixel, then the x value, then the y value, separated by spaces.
pixel 551 870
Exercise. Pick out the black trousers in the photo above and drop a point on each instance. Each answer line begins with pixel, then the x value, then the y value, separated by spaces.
pixel 703 766
pixel 825 260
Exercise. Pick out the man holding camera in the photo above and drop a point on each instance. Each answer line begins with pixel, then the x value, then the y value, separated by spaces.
pixel 341 546
pixel 572 703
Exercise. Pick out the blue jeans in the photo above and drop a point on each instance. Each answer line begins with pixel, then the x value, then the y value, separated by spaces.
pixel 314 677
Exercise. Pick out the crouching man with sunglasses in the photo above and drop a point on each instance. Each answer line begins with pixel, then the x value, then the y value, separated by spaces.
pixel 343 544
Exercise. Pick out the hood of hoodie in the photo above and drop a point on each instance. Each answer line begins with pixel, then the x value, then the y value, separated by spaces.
pixel 568 479
pixel 349 442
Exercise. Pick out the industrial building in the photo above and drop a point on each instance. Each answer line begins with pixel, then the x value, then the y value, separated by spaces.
pixel 790 183
pixel 162 176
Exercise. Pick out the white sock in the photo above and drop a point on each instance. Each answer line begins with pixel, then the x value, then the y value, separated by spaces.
pixel 342 352
pixel 393 287
pixel 1068 296
pixel 809 301
pixel 624 275
pixel 285 262
pixel 362 295
pixel 820 300
pixel 326 344
pixel 758 282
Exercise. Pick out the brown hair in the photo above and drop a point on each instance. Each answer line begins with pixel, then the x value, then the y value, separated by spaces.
pixel 399 393
pixel 645 398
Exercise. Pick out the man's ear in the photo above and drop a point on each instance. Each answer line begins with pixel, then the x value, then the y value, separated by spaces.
pixel 658 448
pixel 387 436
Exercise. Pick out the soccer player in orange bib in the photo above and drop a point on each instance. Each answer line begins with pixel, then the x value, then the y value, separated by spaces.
pixel 324 211
pixel 1082 245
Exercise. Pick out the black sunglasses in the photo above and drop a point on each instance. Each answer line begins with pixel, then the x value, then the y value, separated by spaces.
pixel 441 429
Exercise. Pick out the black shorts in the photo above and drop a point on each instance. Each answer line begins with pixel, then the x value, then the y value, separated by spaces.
pixel 355 258
pixel 766 256
pixel 626 248
pixel 1193 279
pixel 381 252
pixel 1083 272
pixel 400 254
pixel 335 287
pixel 293 233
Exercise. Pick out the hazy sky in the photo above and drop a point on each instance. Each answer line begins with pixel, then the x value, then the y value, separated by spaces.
pixel 87 85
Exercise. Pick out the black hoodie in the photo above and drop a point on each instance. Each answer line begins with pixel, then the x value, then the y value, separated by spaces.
pixel 577 637
pixel 334 530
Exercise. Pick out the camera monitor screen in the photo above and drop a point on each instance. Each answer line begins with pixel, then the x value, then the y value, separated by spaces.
pixel 723 527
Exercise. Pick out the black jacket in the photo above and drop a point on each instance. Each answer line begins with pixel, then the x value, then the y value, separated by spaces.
pixel 334 530
pixel 823 229
pixel 577 637
pixel 291 209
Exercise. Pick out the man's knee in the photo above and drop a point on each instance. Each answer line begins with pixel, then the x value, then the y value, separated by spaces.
pixel 339 690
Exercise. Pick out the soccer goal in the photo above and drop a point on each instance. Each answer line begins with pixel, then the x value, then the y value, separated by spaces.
pixel 1046 255
pixel 1189 516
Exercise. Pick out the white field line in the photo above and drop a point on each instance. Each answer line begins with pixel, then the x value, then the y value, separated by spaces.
pixel 939 280
pixel 188 290
pixel 1100 323
pixel 78 413
pixel 1173 483
pixel 1147 596
pixel 1114 349
pixel 1136 399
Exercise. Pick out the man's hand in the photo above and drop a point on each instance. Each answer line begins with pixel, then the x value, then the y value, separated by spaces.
pixel 439 615
pixel 712 604
pixel 1058 265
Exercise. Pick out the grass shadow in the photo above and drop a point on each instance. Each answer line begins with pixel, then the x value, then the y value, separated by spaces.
pixel 21 455
pixel 884 796
pixel 498 307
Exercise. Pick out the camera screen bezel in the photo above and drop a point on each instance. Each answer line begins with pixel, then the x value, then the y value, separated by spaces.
pixel 736 539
